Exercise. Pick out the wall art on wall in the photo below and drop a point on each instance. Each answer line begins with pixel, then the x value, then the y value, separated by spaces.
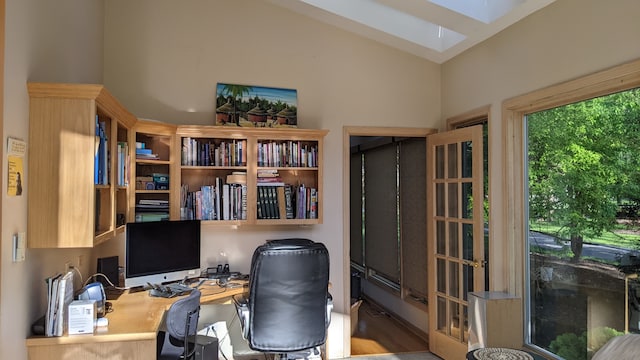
pixel 256 106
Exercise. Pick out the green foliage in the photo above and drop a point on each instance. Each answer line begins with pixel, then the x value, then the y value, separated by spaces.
pixel 570 346
pixel 583 161
pixel 573 347
pixel 601 336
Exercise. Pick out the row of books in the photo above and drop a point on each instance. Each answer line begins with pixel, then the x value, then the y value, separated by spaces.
pixel 197 152
pixel 221 201
pixel 287 154
pixel 59 296
pixel 101 170
pixel 101 161
pixel 287 202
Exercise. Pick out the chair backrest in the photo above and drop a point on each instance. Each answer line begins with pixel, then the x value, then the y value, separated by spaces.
pixel 182 320
pixel 288 292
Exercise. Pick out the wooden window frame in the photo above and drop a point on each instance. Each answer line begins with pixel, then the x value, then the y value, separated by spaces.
pixel 512 228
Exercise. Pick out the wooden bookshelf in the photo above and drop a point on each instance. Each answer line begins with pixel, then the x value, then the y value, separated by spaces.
pixel 255 144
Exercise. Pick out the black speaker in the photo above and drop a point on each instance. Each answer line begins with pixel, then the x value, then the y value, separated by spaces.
pixel 206 348
pixel 109 267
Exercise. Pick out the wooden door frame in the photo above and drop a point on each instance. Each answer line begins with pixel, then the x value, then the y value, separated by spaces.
pixel 347 132
pixel 2 62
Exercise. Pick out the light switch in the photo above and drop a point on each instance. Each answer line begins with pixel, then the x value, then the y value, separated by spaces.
pixel 19 244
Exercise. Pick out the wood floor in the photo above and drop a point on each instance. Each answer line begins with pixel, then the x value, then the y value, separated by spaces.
pixel 379 333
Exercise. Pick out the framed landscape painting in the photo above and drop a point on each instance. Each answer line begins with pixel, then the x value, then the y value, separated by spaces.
pixel 256 106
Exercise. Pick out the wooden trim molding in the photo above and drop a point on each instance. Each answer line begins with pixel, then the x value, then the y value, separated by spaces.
pixel 471 117
pixel 2 51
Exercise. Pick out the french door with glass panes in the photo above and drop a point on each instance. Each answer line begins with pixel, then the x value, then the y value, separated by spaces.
pixel 455 235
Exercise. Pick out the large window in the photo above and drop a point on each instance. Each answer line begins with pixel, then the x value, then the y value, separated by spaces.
pixel 571 185
pixel 583 205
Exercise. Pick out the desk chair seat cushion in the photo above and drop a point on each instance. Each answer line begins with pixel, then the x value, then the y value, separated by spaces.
pixel 286 309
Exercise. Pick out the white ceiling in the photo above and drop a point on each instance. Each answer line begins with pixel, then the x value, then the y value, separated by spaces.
pixel 436 30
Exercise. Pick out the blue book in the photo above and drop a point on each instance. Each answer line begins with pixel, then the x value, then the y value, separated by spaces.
pixel 143 151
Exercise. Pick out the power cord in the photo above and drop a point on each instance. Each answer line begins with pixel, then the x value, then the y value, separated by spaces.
pixel 78 272
pixel 94 276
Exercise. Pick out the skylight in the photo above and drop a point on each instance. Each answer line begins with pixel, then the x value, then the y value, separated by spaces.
pixel 486 11
pixel 393 22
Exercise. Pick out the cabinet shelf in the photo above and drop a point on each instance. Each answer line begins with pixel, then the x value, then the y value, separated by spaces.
pixel 153 191
pixel 152 162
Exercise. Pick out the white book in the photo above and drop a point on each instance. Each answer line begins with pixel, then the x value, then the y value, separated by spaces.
pixel 226 204
pixel 186 144
pixel 65 297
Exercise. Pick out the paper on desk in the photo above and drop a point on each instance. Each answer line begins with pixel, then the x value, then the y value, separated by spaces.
pixel 221 332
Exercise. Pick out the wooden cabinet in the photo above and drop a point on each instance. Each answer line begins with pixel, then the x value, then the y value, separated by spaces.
pixel 153 173
pixel 249 175
pixel 82 155
pixel 73 130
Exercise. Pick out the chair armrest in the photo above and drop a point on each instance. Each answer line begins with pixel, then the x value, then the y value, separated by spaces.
pixel 242 308
pixel 329 308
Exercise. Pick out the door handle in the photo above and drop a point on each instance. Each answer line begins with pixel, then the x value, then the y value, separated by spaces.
pixel 475 263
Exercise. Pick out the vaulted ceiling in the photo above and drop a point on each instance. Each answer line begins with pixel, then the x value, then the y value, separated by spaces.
pixel 436 30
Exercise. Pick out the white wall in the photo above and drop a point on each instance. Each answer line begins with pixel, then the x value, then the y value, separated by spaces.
pixel 163 57
pixel 563 41
pixel 45 41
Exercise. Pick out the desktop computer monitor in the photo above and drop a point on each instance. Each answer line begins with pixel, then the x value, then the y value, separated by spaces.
pixel 161 251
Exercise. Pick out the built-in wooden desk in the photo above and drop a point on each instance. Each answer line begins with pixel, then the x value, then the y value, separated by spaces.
pixel 131 333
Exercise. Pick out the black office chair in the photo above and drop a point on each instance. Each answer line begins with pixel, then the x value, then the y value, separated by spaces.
pixel 180 339
pixel 288 308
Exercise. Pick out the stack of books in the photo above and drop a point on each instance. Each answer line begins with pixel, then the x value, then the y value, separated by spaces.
pixel 143 153
pixel 269 177
pixel 152 210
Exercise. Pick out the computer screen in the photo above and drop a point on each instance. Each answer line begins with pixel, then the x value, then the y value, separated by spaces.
pixel 161 251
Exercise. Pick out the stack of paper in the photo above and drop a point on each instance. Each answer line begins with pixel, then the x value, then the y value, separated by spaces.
pixel 59 296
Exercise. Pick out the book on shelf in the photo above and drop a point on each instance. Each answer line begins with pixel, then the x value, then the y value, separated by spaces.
pixel 237 178
pixel 101 161
pixel 289 201
pixel 143 151
pixel 226 202
pixel 151 216
pixel 282 204
pixel 147 156
pixel 313 203
pixel 153 202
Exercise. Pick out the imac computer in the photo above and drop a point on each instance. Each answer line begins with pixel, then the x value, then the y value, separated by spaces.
pixel 161 251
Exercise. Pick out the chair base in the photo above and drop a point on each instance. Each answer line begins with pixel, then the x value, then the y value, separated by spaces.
pixel 309 354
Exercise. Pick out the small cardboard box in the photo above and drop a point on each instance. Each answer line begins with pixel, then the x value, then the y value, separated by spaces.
pixel 82 317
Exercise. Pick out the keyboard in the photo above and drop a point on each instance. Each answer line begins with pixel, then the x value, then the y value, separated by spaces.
pixel 169 290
